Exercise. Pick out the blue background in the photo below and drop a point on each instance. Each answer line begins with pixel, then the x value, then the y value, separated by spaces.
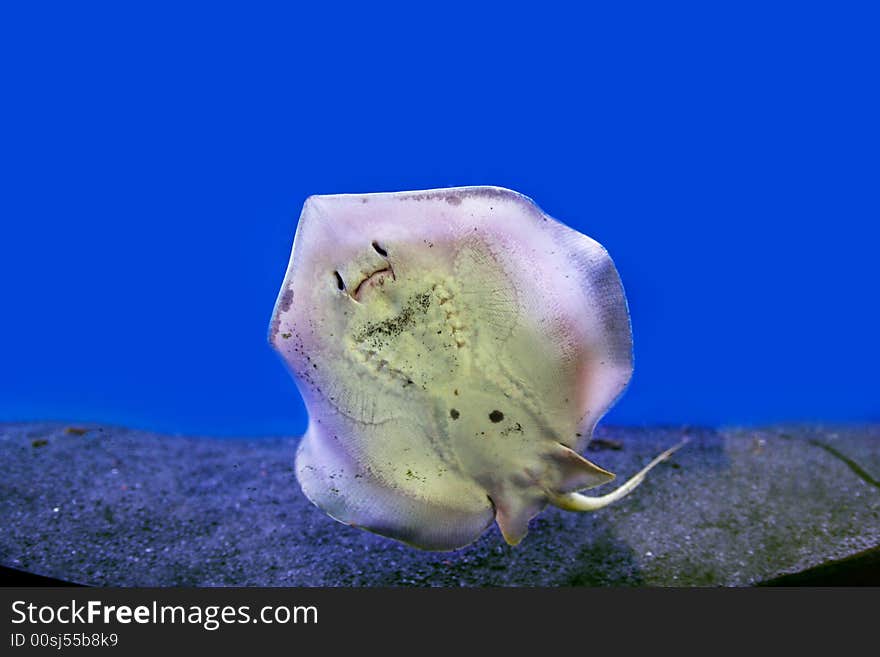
pixel 154 162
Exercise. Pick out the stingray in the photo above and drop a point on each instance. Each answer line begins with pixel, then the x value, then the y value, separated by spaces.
pixel 455 349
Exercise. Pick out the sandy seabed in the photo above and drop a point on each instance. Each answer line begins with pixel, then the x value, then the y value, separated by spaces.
pixel 109 506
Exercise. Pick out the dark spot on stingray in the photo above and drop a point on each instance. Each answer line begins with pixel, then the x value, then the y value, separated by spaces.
pixel 515 428
pixel 40 442
pixel 496 416
pixel 339 282
pixel 454 414
pixel 377 334
pixel 286 300
pixel 382 252
pixel 455 392
pixel 286 335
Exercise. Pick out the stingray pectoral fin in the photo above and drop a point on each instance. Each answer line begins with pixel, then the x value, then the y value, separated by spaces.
pixel 428 513
pixel 578 502
pixel 575 472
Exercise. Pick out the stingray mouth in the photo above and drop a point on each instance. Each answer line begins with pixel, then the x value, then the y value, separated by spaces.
pixel 376 279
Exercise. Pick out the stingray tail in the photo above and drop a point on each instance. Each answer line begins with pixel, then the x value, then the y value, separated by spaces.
pixel 580 502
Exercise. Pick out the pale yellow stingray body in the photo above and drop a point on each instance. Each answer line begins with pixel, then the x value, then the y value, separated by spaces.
pixel 455 349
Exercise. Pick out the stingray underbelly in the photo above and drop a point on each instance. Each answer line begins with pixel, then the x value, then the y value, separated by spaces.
pixel 392 479
pixel 490 434
pixel 427 424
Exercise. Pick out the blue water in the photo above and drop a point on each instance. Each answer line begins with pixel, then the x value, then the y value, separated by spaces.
pixel 153 163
